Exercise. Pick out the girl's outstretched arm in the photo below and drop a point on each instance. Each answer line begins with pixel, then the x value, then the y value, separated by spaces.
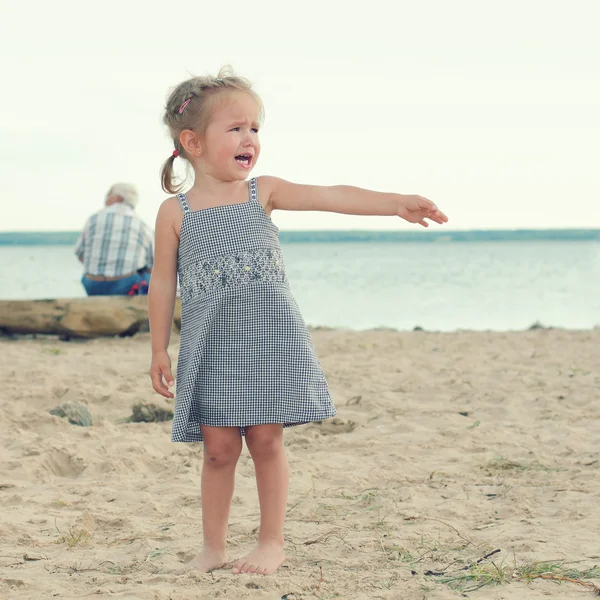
pixel 349 200
pixel 162 292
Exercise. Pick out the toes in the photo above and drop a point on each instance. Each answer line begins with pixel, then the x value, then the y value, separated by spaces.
pixel 237 568
pixel 241 567
pixel 256 565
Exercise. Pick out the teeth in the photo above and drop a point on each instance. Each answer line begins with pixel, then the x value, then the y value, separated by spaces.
pixel 243 160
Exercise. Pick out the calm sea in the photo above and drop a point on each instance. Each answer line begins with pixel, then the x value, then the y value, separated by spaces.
pixel 496 285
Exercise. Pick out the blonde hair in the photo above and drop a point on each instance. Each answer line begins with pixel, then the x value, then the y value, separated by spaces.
pixel 127 191
pixel 190 106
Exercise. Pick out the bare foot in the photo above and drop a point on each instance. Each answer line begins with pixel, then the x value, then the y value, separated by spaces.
pixel 263 560
pixel 207 560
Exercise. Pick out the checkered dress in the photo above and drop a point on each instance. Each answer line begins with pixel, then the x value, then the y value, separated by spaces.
pixel 246 356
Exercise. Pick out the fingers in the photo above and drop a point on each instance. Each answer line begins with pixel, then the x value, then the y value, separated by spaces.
pixel 438 216
pixel 419 217
pixel 156 375
pixel 418 208
pixel 168 375
pixel 440 220
pixel 434 213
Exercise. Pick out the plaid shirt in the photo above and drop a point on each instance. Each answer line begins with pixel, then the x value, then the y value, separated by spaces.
pixel 115 241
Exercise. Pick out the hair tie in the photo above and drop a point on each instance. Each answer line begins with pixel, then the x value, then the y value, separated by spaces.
pixel 175 153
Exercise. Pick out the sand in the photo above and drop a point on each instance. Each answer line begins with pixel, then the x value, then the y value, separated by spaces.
pixel 446 447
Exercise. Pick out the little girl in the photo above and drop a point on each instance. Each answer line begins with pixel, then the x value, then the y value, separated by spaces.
pixel 247 366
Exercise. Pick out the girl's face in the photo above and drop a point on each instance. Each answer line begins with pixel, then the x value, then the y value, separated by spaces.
pixel 230 145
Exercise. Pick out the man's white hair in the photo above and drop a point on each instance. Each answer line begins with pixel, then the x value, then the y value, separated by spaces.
pixel 127 191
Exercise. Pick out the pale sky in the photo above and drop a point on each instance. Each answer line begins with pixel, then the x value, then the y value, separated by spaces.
pixel 491 109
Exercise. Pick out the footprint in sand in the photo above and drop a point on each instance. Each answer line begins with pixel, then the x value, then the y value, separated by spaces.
pixel 333 426
pixel 63 464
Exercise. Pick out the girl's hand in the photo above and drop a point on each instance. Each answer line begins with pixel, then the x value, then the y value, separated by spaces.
pixel 161 368
pixel 415 209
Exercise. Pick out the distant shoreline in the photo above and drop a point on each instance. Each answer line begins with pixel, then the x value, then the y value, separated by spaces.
pixel 68 238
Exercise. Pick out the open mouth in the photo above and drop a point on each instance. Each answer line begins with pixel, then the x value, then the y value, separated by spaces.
pixel 244 160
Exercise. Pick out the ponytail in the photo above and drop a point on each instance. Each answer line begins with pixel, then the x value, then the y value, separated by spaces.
pixel 167 175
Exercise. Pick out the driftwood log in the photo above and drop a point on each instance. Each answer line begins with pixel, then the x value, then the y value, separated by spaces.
pixel 96 316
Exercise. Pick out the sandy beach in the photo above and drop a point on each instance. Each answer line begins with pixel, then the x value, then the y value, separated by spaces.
pixel 446 448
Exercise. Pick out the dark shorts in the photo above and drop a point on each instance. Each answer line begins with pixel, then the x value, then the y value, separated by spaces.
pixel 134 285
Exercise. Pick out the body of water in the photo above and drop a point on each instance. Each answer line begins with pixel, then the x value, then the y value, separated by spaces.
pixel 496 285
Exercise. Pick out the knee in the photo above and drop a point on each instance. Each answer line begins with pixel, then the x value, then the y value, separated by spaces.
pixel 220 455
pixel 264 445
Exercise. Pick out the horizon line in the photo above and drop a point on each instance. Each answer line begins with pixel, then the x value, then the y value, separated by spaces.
pixel 422 229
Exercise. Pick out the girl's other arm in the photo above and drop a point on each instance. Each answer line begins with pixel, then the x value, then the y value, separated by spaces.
pixel 162 292
pixel 349 200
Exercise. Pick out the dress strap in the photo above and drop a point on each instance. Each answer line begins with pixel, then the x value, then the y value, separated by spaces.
pixel 253 190
pixel 185 207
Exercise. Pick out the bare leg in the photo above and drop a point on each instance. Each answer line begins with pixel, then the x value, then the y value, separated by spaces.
pixel 265 443
pixel 222 448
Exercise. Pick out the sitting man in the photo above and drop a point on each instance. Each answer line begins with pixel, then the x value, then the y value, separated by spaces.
pixel 116 247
